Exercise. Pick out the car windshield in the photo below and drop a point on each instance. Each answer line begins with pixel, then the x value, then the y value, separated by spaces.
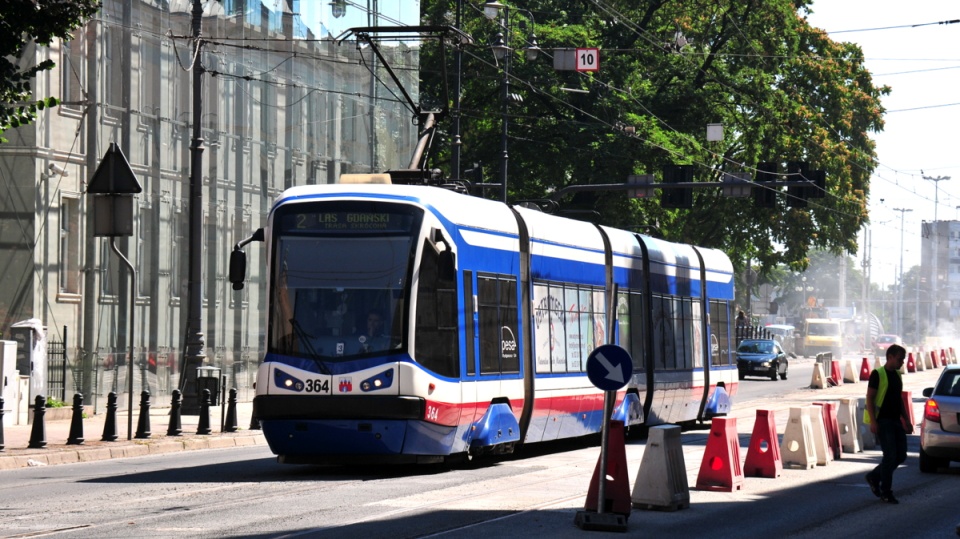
pixel 755 347
pixel 887 339
pixel 823 329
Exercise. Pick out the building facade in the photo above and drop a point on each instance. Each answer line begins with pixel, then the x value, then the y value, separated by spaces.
pixel 940 268
pixel 282 104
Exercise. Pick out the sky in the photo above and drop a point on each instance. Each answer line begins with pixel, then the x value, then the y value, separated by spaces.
pixel 921 137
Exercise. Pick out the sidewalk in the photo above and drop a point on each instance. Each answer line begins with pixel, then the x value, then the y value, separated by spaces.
pixel 57 425
pixel 16 438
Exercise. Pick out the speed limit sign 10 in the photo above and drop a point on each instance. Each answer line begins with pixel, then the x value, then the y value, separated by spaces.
pixel 588 59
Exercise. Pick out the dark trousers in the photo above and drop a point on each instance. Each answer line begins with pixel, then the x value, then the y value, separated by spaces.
pixel 893 443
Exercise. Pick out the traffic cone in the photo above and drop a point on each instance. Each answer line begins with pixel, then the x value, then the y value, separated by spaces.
pixel 797 449
pixel 617 488
pixel 763 453
pixel 865 370
pixel 908 408
pixel 720 469
pixel 819 434
pixel 943 358
pixel 835 373
pixel 831 427
pixel 911 365
pixel 661 482
pixel 934 362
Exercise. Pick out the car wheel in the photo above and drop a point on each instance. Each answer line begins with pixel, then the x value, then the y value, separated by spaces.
pixel 740 374
pixel 783 375
pixel 774 375
pixel 929 464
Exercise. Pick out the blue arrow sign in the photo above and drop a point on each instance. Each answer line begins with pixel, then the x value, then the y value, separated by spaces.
pixel 609 367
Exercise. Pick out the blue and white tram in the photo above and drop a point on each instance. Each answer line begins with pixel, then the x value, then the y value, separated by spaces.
pixel 415 324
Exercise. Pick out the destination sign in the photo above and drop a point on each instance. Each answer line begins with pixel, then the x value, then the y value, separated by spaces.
pixel 346 221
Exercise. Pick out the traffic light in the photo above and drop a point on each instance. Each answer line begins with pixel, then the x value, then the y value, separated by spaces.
pixel 681 197
pixel 765 196
pixel 641 185
pixel 797 195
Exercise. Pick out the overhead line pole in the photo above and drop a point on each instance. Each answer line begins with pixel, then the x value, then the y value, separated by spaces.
pixel 193 342
pixel 899 306
pixel 935 284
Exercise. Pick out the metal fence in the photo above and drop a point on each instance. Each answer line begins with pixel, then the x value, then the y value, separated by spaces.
pixel 57 368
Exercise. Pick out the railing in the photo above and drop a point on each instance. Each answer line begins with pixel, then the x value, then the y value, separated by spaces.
pixel 57 368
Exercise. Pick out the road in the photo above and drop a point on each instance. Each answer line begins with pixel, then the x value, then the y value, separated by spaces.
pixel 243 492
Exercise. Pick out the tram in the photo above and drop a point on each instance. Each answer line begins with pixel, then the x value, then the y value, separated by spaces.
pixel 412 323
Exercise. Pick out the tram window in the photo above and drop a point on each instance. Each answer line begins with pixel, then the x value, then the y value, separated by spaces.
pixel 497 310
pixel 665 332
pixel 719 336
pixel 437 326
pixel 600 335
pixel 469 330
pixel 630 326
pixel 558 329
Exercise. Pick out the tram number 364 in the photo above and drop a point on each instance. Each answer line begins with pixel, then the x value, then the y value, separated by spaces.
pixel 317 386
pixel 432 413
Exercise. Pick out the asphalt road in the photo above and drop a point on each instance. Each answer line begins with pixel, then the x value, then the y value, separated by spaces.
pixel 243 492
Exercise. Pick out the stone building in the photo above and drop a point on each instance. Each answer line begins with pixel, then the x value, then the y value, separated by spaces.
pixel 282 105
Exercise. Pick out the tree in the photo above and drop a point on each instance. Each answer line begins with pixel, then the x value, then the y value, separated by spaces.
pixel 783 90
pixel 23 25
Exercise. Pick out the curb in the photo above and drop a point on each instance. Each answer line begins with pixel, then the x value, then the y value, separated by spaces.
pixel 59 454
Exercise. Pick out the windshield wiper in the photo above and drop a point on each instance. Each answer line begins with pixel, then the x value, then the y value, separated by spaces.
pixel 304 338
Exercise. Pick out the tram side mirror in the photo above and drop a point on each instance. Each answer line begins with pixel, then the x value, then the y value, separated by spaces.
pixel 238 268
pixel 238 259
pixel 447 266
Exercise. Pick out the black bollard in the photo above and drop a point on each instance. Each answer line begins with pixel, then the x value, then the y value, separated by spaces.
pixel 1 423
pixel 143 424
pixel 203 427
pixel 110 423
pixel 175 429
pixel 230 425
pixel 76 421
pixel 254 422
pixel 38 436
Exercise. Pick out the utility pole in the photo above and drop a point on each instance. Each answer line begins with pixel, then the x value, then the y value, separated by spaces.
pixel 935 284
pixel 193 356
pixel 899 309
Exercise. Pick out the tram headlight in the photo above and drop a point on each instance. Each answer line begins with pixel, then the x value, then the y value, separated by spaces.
pixel 382 380
pixel 284 380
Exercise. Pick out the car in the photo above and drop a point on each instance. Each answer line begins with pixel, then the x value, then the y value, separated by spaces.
pixel 940 428
pixel 883 342
pixel 761 357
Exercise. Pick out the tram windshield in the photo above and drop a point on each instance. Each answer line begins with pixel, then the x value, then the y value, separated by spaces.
pixel 340 274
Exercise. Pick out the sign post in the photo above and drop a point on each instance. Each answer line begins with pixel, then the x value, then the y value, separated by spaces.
pixel 114 185
pixel 609 368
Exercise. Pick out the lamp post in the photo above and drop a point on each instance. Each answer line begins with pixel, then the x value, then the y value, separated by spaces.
pixel 503 54
pixel 899 306
pixel 338 8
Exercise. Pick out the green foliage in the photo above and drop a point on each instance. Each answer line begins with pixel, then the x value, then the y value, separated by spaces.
pixel 784 91
pixel 53 402
pixel 24 25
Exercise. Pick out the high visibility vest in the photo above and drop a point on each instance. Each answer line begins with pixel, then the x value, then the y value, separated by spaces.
pixel 881 393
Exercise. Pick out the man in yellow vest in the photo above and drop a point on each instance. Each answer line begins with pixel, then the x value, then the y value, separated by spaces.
pixel 886 415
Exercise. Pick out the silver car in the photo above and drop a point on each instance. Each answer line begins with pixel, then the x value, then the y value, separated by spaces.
pixel 940 429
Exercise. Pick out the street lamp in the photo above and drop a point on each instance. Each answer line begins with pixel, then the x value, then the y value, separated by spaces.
pixel 338 8
pixel 503 54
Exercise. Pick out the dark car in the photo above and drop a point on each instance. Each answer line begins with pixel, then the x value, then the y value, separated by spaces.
pixel 761 357
pixel 940 429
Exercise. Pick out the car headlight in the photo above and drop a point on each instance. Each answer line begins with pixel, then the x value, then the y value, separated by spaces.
pixel 765 364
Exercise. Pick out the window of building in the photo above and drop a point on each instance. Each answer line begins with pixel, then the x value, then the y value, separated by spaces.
pixel 73 76
pixel 146 259
pixel 69 245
